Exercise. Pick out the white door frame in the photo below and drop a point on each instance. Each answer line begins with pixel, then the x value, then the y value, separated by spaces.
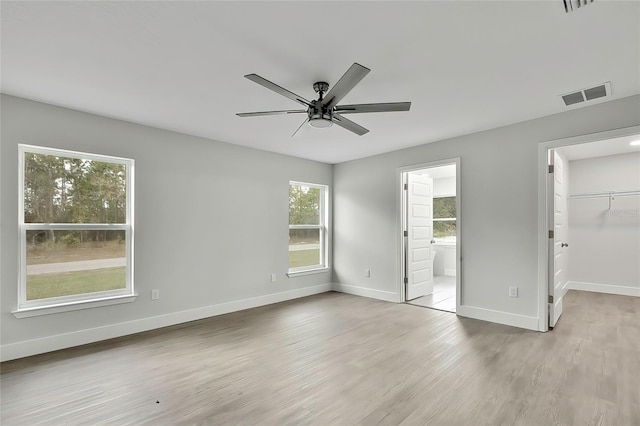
pixel 401 219
pixel 543 221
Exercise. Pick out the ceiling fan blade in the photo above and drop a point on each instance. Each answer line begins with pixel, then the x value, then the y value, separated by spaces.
pixel 349 125
pixel 256 114
pixel 300 127
pixel 382 107
pixel 354 74
pixel 281 90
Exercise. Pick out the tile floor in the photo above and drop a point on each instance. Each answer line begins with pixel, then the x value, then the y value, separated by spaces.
pixel 443 297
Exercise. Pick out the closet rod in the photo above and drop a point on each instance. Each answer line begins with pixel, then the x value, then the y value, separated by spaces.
pixel 605 194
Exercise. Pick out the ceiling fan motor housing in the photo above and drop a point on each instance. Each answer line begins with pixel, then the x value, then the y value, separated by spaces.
pixel 319 114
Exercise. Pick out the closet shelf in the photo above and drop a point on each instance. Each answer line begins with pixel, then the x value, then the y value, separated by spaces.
pixel 608 194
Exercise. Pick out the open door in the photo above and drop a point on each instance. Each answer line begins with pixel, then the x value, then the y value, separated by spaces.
pixel 419 235
pixel 557 203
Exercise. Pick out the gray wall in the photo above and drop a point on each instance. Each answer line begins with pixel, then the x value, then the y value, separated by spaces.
pixel 211 221
pixel 211 218
pixel 604 245
pixel 499 175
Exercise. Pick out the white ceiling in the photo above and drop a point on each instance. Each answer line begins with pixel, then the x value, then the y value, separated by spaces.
pixel 439 172
pixel 465 66
pixel 601 148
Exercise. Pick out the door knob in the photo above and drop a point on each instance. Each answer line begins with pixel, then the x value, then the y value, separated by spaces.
pixel 564 245
pixel 433 241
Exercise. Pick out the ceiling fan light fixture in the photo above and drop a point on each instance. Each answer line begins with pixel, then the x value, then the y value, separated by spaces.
pixel 320 121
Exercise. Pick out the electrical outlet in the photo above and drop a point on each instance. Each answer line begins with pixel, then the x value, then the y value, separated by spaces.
pixel 367 273
pixel 273 278
pixel 155 294
pixel 513 291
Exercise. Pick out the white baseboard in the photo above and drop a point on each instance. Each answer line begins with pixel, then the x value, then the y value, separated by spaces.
pixel 514 320
pixel 82 337
pixel 450 272
pixel 506 318
pixel 366 292
pixel 604 288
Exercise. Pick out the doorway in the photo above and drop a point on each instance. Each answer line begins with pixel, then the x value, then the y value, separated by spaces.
pixel 592 218
pixel 431 235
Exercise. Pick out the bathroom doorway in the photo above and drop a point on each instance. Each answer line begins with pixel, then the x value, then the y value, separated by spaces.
pixel 431 235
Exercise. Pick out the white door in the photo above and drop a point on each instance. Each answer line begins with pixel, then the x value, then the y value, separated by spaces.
pixel 557 202
pixel 419 273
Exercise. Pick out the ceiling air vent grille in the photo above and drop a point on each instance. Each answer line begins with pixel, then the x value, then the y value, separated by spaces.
pixel 589 94
pixel 569 5
pixel 595 92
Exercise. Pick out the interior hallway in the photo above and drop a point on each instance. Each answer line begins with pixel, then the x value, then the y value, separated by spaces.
pixel 337 358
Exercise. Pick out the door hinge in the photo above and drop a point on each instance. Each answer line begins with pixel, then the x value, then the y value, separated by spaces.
pixel 550 168
pixel 551 234
pixel 406 186
pixel 406 280
pixel 551 298
pixel 406 233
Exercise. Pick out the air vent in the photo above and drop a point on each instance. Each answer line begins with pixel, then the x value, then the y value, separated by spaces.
pixel 595 92
pixel 573 98
pixel 589 94
pixel 571 5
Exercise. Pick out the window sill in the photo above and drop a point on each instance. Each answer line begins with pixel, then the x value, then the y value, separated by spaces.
pixel 292 274
pixel 72 306
pixel 445 244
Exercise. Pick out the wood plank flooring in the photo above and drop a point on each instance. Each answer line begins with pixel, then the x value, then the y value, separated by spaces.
pixel 443 297
pixel 341 359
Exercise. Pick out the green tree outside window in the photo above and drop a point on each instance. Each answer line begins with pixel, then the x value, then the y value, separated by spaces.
pixel 444 215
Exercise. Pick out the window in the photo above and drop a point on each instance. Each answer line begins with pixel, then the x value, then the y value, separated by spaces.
pixel 307 227
pixel 444 219
pixel 76 233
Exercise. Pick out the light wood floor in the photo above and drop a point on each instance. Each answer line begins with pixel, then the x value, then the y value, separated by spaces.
pixel 443 297
pixel 340 359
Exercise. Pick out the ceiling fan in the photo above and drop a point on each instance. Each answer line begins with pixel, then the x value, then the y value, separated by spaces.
pixel 325 111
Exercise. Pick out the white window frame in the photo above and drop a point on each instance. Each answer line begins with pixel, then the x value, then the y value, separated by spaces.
pixel 28 308
pixel 445 219
pixel 322 226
